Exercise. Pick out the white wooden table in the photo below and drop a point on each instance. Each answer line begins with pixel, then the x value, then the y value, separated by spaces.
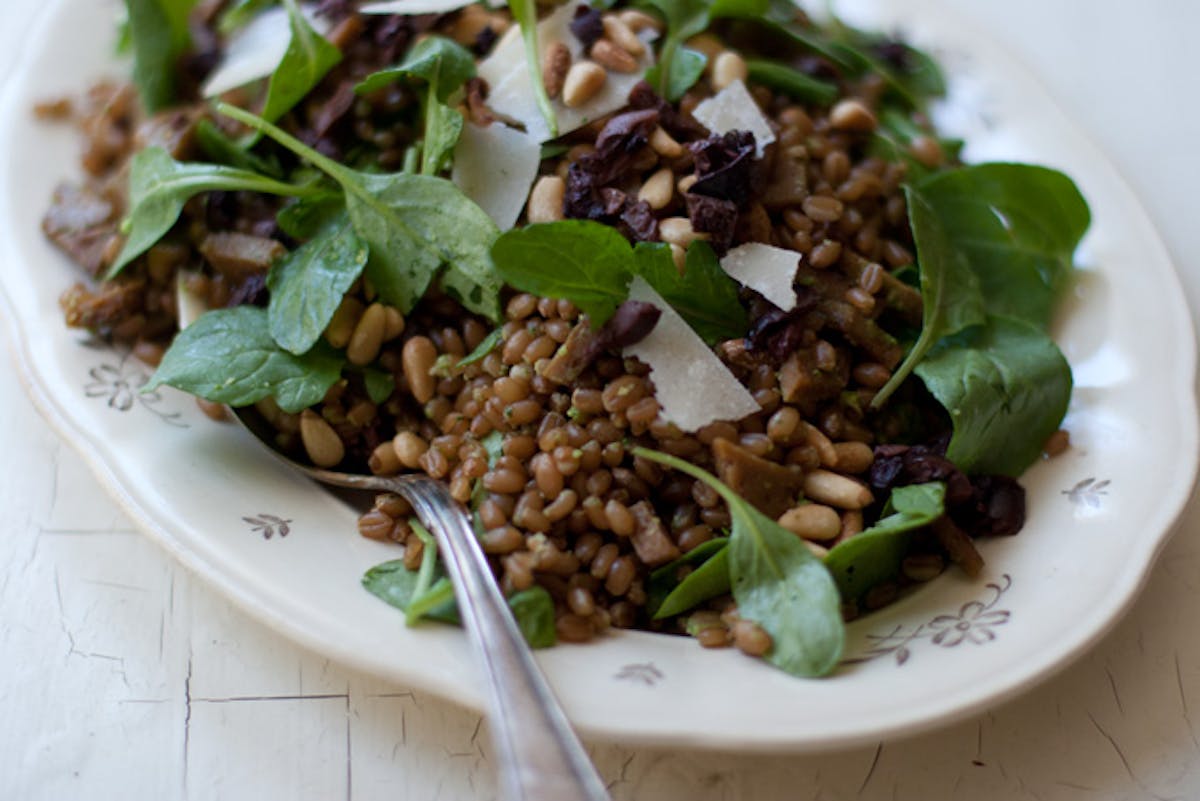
pixel 122 676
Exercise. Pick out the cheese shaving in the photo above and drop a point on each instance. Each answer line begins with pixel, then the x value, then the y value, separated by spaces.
pixel 733 109
pixel 766 269
pixel 415 7
pixel 254 51
pixel 511 93
pixel 693 387
pixel 495 166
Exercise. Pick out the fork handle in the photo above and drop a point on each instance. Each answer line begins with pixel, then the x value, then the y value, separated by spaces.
pixel 541 759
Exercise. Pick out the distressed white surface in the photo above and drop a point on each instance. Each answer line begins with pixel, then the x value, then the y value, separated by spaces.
pixel 122 677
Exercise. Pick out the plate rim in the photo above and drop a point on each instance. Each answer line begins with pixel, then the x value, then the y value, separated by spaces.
pixel 250 598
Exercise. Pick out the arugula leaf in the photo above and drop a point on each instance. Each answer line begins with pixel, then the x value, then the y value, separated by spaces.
pixel 777 583
pixel 228 356
pixel 686 67
pixel 704 294
pixel 1018 225
pixel 525 13
pixel 379 384
pixel 1006 386
pixel 392 582
pixel 874 556
pixel 308 58
pixel 304 218
pixel 445 66
pixel 793 83
pixel 308 284
pixel 685 19
pixel 436 60
pixel 582 261
pixel 238 13
pixel 667 596
pixel 223 150
pixel 534 612
pixel 413 224
pixel 159 187
pixel 950 291
pixel 486 346
pixel 158 30
pixel 429 557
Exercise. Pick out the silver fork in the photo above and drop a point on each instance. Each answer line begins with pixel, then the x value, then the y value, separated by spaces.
pixel 539 756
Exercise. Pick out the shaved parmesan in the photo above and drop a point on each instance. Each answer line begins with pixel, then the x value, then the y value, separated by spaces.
pixel 766 269
pixel 511 93
pixel 255 51
pixel 693 387
pixel 415 7
pixel 733 109
pixel 495 166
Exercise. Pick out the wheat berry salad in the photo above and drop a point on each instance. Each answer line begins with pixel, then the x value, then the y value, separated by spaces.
pixel 688 303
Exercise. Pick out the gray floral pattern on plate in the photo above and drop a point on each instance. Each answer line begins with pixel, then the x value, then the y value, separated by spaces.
pixel 975 623
pixel 640 672
pixel 269 525
pixel 119 384
pixel 1088 493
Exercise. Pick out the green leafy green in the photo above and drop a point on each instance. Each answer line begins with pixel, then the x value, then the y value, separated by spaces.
pixel 413 225
pixel 444 66
pixel 686 67
pixel 1006 386
pixel 421 600
pixel 308 58
pixel 950 292
pixel 874 556
pixel 308 284
pixel 793 83
pixel 591 265
pixel 229 356
pixel 526 14
pixel 777 583
pixel 221 149
pixel 1018 225
pixel 533 609
pixel 667 595
pixel 685 19
pixel 380 384
pixel 704 295
pixel 238 13
pixel 486 346
pixel 437 61
pixel 582 261
pixel 158 31
pixel 159 187
pixel 305 217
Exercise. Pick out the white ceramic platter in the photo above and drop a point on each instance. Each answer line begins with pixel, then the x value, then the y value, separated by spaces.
pixel 288 554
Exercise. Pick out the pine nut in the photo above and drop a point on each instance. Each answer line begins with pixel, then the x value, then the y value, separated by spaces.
pixel 417 359
pixel 665 145
pixel 836 490
pixel 622 35
pixel 817 439
pixel 638 21
pixel 728 68
pixel 546 199
pixel 384 461
pixel 322 444
pixel 812 521
pixel 686 183
pixel 409 447
pixel 679 256
pixel 393 323
pixel 584 80
pixel 679 231
pixel 368 336
pixel 854 457
pixel 341 325
pixel 852 524
pixel 555 64
pixel 658 189
pixel 611 56
pixel 852 115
